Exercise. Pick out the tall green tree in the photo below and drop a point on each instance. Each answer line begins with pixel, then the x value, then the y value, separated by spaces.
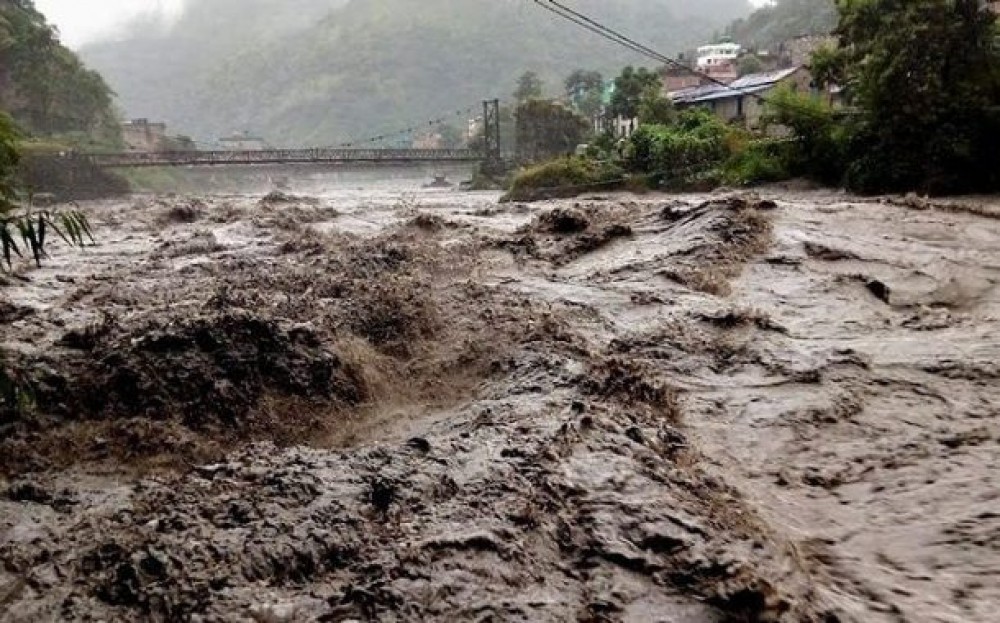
pixel 8 160
pixel 44 85
pixel 585 90
pixel 924 76
pixel 546 130
pixel 630 89
pixel 529 87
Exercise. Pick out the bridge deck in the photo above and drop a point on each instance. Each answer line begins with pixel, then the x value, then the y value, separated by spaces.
pixel 281 156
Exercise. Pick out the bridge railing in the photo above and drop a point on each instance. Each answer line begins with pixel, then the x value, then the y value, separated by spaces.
pixel 280 156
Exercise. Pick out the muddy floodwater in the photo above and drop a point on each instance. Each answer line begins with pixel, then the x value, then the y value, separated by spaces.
pixel 373 401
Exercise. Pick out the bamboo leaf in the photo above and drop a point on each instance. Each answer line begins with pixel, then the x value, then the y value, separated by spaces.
pixel 70 225
pixel 41 231
pixel 85 224
pixel 57 229
pixel 36 249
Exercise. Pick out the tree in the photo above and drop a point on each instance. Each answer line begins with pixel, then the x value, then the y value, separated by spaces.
pixel 655 109
pixel 529 87
pixel 451 137
pixel 924 76
pixel 630 87
pixel 585 90
pixel 546 130
pixel 749 64
pixel 9 158
pixel 45 86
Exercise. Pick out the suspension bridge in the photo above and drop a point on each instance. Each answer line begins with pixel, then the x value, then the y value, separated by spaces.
pixel 489 154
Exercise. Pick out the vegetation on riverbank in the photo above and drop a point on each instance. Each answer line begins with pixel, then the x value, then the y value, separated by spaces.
pixel 919 114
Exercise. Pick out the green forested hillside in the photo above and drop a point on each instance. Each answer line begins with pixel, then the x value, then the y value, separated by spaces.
pixel 771 25
pixel 320 72
pixel 44 86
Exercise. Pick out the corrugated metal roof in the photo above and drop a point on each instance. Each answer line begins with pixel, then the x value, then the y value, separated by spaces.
pixel 747 85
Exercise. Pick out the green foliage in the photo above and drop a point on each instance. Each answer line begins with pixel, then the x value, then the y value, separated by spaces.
pixel 585 90
pixel 757 162
pixel 565 177
pixel 546 130
pixel 770 26
pixel 451 136
pixel 749 64
pixel 32 228
pixel 44 86
pixel 22 223
pixel 529 87
pixel 630 88
pixel 654 109
pixel 822 142
pixel 925 78
pixel 696 141
pixel 9 157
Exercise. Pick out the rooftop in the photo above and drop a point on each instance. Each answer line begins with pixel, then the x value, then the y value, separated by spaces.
pixel 747 85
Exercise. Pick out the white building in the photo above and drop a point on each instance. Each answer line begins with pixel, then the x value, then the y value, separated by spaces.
pixel 710 56
pixel 242 142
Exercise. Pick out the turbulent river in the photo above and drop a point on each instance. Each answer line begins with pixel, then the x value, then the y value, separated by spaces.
pixel 362 399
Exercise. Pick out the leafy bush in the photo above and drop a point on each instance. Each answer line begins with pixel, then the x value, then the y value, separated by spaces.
pixel 696 143
pixel 565 177
pixel 757 162
pixel 822 141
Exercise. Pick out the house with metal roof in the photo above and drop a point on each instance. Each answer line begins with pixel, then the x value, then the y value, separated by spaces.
pixel 741 99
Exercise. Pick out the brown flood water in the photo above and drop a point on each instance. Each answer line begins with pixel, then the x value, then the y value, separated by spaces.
pixel 399 404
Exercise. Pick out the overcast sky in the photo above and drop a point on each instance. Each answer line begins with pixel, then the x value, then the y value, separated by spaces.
pixel 81 21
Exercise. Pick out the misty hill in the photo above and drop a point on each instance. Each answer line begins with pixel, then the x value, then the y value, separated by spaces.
pixel 320 72
pixel 44 86
pixel 769 26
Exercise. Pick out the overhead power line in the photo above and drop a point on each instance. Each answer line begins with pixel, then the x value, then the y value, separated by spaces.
pixel 429 123
pixel 588 23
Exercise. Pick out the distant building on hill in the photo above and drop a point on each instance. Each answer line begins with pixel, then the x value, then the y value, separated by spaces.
pixel 243 141
pixel 718 61
pixel 142 135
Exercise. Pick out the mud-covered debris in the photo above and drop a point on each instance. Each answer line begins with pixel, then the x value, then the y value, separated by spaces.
pixel 382 494
pixel 628 382
pixel 28 491
pixel 820 251
pixel 11 312
pixel 276 197
pixel 419 444
pixel 208 368
pixel 879 290
pixel 741 317
pixel 185 213
pixel 563 221
pixel 428 222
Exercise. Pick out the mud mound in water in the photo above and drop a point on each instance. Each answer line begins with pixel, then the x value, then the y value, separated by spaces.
pixel 728 233
pixel 213 378
pixel 564 234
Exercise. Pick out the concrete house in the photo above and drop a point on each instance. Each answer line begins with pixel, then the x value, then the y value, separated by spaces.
pixel 740 99
pixel 142 135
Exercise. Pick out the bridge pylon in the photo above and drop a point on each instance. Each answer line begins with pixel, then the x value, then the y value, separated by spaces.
pixel 493 155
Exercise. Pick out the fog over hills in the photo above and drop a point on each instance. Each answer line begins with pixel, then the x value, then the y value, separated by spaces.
pixel 322 71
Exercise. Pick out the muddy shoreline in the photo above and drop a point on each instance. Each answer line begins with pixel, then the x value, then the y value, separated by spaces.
pixel 429 406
